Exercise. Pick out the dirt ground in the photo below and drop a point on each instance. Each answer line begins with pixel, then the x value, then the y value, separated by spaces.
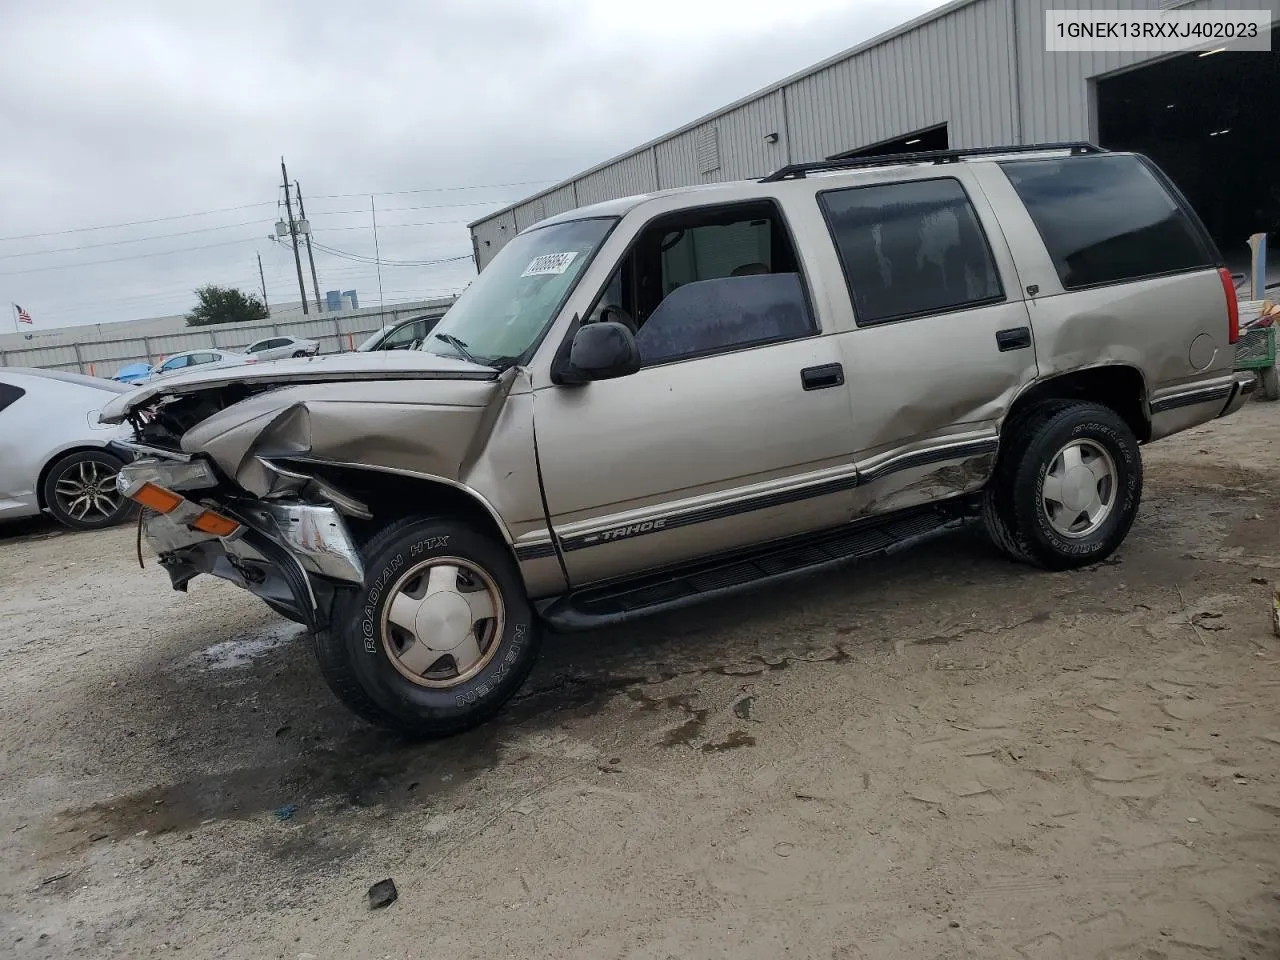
pixel 944 755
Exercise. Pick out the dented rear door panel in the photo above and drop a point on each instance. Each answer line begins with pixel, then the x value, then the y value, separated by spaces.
pixel 929 392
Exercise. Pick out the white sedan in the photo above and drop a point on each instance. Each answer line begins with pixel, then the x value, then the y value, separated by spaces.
pixel 55 451
pixel 277 348
pixel 207 357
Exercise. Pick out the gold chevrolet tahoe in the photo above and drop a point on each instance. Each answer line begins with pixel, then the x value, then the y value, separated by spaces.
pixel 654 400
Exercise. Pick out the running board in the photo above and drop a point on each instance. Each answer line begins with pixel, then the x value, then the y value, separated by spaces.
pixel 612 603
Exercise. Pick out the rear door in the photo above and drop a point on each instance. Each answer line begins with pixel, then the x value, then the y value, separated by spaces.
pixel 940 340
pixel 17 496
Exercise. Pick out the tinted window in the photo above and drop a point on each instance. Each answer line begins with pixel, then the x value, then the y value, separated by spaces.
pixel 255 347
pixel 9 393
pixel 204 357
pixel 176 362
pixel 1106 219
pixel 910 249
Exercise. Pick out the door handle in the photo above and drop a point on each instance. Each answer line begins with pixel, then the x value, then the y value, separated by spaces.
pixel 1018 338
pixel 819 378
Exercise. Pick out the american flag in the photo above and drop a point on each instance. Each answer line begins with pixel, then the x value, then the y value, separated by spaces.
pixel 23 316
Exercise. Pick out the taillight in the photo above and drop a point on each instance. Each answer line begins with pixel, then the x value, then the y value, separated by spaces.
pixel 1233 305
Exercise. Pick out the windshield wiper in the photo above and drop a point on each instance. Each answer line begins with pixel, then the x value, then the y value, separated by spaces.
pixel 461 347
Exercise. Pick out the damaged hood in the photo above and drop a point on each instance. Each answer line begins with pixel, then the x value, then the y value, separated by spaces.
pixel 335 368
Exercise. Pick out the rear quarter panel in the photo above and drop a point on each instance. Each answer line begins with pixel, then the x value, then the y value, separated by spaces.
pixel 1172 329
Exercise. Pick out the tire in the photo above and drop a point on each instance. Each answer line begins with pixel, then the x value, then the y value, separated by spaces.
pixel 299 353
pixel 361 652
pixel 79 491
pixel 1269 381
pixel 1020 508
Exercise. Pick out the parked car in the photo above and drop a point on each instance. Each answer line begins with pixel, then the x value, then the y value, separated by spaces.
pixel 207 358
pixel 650 401
pixel 275 348
pixel 55 450
pixel 403 335
pixel 133 373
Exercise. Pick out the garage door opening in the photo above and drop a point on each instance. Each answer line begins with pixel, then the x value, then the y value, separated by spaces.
pixel 931 138
pixel 1208 120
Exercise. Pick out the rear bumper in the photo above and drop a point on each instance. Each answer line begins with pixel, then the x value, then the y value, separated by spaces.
pixel 1189 405
pixel 1242 389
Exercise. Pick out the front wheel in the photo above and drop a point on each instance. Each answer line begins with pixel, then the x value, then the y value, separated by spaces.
pixel 438 637
pixel 1067 487
pixel 80 491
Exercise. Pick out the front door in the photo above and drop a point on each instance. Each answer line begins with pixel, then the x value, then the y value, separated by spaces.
pixel 737 428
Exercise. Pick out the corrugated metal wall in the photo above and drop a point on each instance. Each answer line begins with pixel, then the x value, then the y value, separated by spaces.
pixel 630 175
pixel 980 67
pixel 956 70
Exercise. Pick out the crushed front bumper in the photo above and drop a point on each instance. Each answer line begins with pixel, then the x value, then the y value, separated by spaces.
pixel 289 553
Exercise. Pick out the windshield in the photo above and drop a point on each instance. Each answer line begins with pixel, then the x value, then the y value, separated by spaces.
pixel 374 337
pixel 513 300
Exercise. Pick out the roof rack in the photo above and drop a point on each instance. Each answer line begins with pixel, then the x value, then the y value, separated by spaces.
pixel 798 171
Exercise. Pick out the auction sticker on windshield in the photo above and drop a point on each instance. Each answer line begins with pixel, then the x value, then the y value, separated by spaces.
pixel 549 263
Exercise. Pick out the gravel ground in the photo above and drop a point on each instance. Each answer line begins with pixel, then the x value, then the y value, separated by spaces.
pixel 940 755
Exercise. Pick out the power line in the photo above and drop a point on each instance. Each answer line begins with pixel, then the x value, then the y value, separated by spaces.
pixel 136 223
pixel 116 243
pixel 140 256
pixel 267 203
pixel 398 193
pixel 362 258
pixel 389 226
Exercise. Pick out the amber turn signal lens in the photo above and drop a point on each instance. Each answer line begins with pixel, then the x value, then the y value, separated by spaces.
pixel 215 523
pixel 157 498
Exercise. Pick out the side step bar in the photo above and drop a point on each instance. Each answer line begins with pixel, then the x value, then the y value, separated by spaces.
pixel 619 601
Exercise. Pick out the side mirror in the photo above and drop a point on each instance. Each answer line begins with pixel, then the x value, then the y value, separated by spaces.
pixel 601 351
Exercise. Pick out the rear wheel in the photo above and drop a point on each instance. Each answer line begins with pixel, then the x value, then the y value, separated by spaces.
pixel 80 491
pixel 299 353
pixel 1269 381
pixel 438 637
pixel 1068 485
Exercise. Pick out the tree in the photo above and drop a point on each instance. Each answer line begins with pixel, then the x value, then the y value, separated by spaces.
pixel 224 305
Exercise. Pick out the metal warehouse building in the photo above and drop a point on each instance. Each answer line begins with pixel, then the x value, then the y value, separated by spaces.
pixel 976 73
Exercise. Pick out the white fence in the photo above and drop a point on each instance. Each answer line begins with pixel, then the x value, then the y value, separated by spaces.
pixel 336 332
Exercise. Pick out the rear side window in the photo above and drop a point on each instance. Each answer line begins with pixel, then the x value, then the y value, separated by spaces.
pixel 1107 219
pixel 9 394
pixel 911 249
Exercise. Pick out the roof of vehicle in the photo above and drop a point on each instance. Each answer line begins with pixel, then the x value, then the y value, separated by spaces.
pixel 856 169
pixel 218 350
pixel 63 376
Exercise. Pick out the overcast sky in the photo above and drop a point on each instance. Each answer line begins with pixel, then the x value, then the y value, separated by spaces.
pixel 128 111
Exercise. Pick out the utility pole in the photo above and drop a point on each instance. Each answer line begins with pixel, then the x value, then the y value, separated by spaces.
pixel 377 257
pixel 293 235
pixel 315 284
pixel 263 277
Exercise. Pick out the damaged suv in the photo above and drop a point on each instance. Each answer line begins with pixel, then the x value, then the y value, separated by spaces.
pixel 664 398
